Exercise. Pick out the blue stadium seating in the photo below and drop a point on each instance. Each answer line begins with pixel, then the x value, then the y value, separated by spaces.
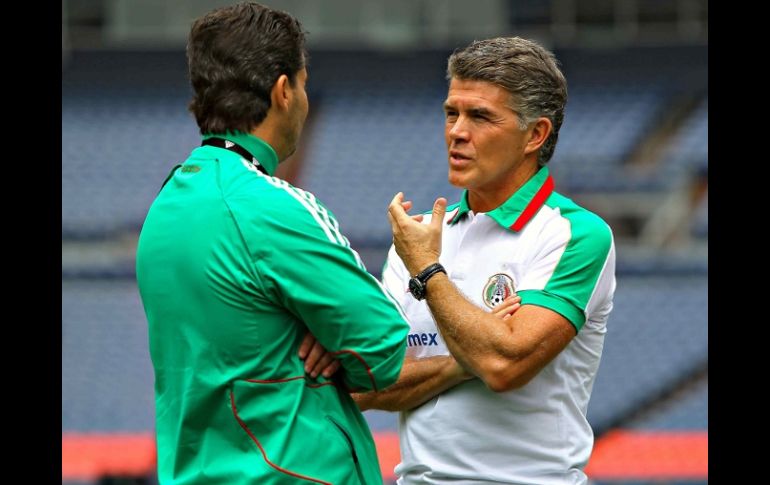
pixel 107 378
pixel 602 126
pixel 116 153
pixel 688 152
pixel 685 411
pixel 700 220
pixel 657 336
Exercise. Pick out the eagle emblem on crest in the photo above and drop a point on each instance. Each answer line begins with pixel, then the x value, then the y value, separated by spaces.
pixel 498 288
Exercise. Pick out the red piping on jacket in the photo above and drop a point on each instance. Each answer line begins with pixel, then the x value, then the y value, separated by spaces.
pixel 264 455
pixel 368 370
pixel 279 381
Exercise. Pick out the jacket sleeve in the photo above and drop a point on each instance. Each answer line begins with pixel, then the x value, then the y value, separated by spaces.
pixel 315 274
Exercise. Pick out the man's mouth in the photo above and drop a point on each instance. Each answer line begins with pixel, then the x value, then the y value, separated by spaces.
pixel 458 159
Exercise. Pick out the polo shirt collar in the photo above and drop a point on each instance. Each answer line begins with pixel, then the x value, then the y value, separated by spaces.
pixel 258 148
pixel 520 208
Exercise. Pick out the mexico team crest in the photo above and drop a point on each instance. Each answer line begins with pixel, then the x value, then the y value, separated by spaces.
pixel 498 288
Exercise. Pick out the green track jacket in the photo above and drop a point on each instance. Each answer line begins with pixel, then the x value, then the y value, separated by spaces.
pixel 233 268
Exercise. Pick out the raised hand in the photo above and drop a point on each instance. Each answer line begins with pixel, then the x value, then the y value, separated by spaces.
pixel 418 245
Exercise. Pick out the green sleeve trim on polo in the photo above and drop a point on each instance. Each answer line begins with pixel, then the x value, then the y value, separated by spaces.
pixel 556 303
pixel 578 271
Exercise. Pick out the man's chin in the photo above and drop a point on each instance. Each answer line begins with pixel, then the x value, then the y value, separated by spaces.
pixel 457 180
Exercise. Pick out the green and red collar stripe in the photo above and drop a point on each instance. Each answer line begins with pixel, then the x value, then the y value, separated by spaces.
pixel 520 208
pixel 534 205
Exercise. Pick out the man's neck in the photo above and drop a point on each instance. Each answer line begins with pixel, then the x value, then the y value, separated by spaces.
pixel 488 199
pixel 267 133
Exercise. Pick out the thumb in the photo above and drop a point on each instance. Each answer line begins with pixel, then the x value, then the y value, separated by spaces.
pixel 439 210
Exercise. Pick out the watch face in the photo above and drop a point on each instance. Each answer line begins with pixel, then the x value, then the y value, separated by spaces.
pixel 416 288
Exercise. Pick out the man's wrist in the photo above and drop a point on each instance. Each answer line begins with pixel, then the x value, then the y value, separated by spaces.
pixel 418 283
pixel 419 268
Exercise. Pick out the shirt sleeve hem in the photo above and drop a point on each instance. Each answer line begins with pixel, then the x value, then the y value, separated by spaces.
pixel 547 300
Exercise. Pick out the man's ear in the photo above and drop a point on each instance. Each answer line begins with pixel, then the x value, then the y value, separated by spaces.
pixel 281 93
pixel 539 133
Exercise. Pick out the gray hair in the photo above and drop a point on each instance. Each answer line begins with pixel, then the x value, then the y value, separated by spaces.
pixel 525 69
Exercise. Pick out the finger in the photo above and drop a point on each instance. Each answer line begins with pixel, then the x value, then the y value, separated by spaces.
pixel 418 217
pixel 393 225
pixel 322 364
pixel 395 203
pixel 510 301
pixel 505 304
pixel 306 344
pixel 439 209
pixel 315 354
pixel 331 369
pixel 509 313
pixel 407 205
pixel 396 209
pixel 501 310
pixel 507 307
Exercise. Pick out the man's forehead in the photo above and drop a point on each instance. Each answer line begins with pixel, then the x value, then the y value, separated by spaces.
pixel 472 92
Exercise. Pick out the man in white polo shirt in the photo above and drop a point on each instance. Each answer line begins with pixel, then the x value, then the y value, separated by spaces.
pixel 484 399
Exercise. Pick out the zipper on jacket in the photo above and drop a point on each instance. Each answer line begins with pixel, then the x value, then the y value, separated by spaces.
pixel 352 449
pixel 347 438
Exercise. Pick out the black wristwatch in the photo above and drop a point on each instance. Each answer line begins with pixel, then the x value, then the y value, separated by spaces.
pixel 417 283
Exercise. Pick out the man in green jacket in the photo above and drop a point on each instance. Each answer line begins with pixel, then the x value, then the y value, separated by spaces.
pixel 243 275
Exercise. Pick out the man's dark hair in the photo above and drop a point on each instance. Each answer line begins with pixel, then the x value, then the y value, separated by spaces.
pixel 235 54
pixel 525 69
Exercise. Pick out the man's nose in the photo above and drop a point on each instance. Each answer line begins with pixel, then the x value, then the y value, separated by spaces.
pixel 459 130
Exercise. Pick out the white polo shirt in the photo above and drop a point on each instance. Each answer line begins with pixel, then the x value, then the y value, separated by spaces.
pixel 554 254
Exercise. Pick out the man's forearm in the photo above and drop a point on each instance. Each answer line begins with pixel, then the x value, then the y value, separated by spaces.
pixel 472 335
pixel 420 380
pixel 505 354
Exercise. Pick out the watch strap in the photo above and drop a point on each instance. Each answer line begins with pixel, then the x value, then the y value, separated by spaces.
pixel 428 272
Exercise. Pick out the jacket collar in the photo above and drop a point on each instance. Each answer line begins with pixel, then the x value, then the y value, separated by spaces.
pixel 258 148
